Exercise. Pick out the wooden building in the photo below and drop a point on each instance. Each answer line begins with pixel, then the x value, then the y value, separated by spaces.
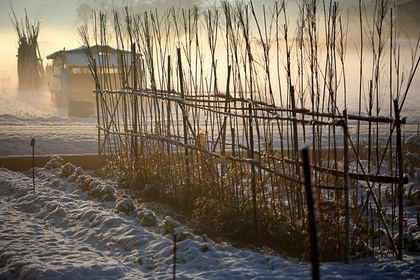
pixel 72 83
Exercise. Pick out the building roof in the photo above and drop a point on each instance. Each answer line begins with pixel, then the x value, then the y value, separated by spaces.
pixel 105 55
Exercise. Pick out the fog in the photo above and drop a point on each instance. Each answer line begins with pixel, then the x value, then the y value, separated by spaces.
pixel 61 19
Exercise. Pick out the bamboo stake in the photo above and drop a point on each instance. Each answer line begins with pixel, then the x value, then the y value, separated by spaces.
pixel 184 121
pixel 400 184
pixel 296 150
pixel 312 214
pixel 347 189
pixel 135 105
pixel 168 110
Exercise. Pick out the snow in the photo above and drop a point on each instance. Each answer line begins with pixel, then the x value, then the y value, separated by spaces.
pixel 76 226
pixel 27 115
pixel 60 231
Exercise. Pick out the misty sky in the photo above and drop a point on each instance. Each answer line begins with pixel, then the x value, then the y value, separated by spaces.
pixel 63 12
pixel 60 19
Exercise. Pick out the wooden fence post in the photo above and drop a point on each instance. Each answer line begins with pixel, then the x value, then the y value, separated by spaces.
pixel 400 183
pixel 296 149
pixel 33 161
pixel 227 99
pixel 168 121
pixel 174 260
pixel 346 189
pixel 312 215
pixel 184 119
pixel 135 105
pixel 253 171
pixel 97 86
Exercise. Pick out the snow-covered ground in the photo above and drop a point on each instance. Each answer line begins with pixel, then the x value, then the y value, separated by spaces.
pixel 63 231
pixel 30 114
pixel 27 115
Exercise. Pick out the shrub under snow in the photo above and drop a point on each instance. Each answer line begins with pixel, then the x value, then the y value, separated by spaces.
pixel 126 206
pixel 68 169
pixel 103 192
pixel 76 174
pixel 85 182
pixel 169 225
pixel 147 218
pixel 54 162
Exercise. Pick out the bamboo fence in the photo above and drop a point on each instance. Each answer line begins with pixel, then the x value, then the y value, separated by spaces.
pixel 210 106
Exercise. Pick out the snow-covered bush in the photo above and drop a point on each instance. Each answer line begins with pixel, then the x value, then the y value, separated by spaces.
pixel 103 192
pixel 169 225
pixel 68 169
pixel 411 161
pixel 73 177
pixel 411 155
pixel 181 234
pixel 412 238
pixel 54 162
pixel 147 218
pixel 126 206
pixel 173 227
pixel 151 191
pixel 412 144
pixel 95 187
pixel 205 238
pixel 85 182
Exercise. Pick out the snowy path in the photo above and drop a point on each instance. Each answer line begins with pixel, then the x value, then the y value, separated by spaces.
pixel 62 232
pixel 35 228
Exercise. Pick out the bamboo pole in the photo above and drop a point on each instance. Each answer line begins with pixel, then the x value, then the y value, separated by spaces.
pixel 400 183
pixel 135 104
pixel 296 150
pixel 184 122
pixel 168 110
pixel 97 92
pixel 33 162
pixel 312 214
pixel 346 188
